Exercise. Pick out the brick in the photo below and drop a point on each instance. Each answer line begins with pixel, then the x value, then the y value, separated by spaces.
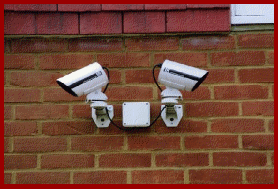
pixel 97 143
pixel 239 159
pixel 37 79
pixel 182 160
pixel 56 161
pixel 153 142
pixel 7 178
pixel 20 162
pixel 262 40
pixel 237 125
pixel 82 111
pixel 68 128
pixel 5 78
pixel 242 58
pixel 122 60
pixel 190 59
pixel 22 95
pixel 220 76
pixel 122 7
pixel 19 61
pixel 7 112
pixel 155 110
pixel 20 128
pixel 57 23
pixel 158 177
pixel 125 160
pixel 129 93
pixel 258 142
pixel 36 45
pixel 113 130
pixel 152 43
pixel 100 177
pixel 65 61
pixel 53 144
pixel 261 75
pixel 138 76
pixel 265 108
pixel 212 109
pixel 59 95
pixel 35 7
pixel 165 6
pixel 215 176
pixel 7 46
pixel 262 176
pixel 115 76
pixel 271 57
pixel 198 6
pixel 91 44
pixel 144 22
pixel 211 142
pixel 185 126
pixel 271 125
pixel 24 22
pixel 6 144
pixel 29 112
pixel 240 92
pixel 101 23
pixel 272 158
pixel 43 178
pixel 79 7
pixel 208 43
pixel 201 93
pixel 206 20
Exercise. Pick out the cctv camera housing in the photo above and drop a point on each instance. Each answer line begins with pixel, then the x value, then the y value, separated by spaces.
pixel 84 80
pixel 180 76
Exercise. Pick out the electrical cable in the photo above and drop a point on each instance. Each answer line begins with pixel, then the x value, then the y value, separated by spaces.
pixel 157 65
pixel 108 78
pixel 131 128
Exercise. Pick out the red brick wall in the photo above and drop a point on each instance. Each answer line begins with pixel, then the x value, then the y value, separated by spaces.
pixel 226 134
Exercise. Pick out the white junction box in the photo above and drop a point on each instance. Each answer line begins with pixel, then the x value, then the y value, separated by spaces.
pixel 136 114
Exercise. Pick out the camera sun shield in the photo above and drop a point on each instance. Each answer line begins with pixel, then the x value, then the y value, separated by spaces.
pixel 84 80
pixel 180 76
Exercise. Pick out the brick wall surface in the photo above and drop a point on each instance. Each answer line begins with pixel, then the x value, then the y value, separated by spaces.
pixel 226 135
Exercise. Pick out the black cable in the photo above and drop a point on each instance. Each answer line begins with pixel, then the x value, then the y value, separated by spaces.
pixel 131 128
pixel 157 65
pixel 108 79
pixel 121 128
pixel 157 116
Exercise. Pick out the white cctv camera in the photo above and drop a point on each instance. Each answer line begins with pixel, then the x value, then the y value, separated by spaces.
pixel 89 81
pixel 175 77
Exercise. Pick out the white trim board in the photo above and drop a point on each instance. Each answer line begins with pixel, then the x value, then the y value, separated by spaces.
pixel 252 13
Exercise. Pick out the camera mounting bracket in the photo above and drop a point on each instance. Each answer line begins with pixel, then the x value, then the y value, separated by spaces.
pixel 97 100
pixel 172 115
pixel 100 117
